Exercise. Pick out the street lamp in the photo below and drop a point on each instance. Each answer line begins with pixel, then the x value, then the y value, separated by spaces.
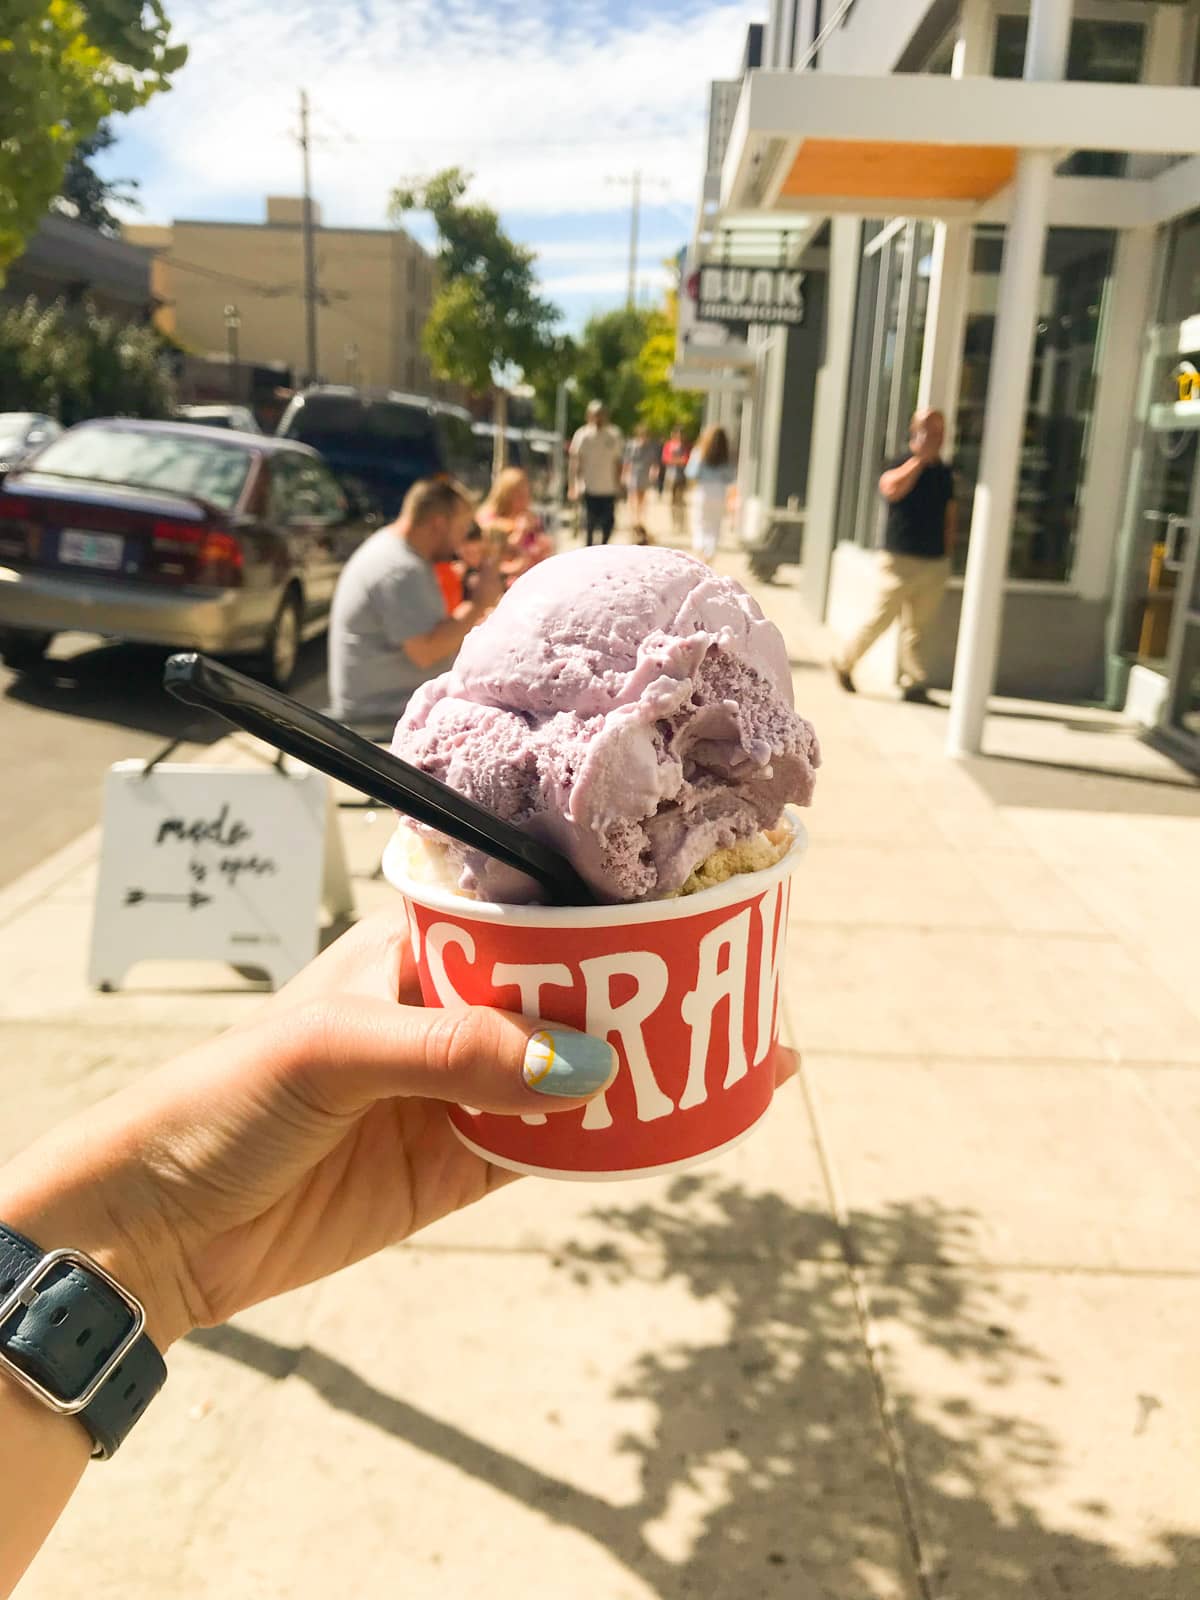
pixel 233 322
pixel 567 386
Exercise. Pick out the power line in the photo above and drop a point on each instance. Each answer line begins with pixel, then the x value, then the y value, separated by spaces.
pixel 486 142
pixel 268 290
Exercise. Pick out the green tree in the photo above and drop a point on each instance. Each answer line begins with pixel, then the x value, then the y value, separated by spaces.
pixel 74 365
pixel 65 65
pixel 607 365
pixel 662 406
pixel 85 195
pixel 488 324
pixel 560 362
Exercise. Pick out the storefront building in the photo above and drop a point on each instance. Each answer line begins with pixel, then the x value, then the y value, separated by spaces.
pixel 893 150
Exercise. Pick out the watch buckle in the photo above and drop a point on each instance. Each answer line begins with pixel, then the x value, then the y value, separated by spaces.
pixel 24 1293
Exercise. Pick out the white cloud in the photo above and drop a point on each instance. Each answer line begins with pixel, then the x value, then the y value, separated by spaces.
pixel 652 251
pixel 544 105
pixel 607 284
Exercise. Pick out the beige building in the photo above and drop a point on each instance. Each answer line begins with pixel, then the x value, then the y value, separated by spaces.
pixel 374 290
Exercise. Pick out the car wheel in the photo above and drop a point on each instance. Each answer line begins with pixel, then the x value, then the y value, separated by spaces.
pixel 282 645
pixel 21 651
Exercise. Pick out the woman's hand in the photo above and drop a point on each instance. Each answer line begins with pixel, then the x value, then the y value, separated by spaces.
pixel 304 1139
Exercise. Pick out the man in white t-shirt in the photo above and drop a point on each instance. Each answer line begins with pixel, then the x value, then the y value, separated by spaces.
pixel 597 451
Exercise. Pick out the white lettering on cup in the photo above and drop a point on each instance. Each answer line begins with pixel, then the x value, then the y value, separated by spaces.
pixel 529 983
pixel 699 1006
pixel 772 913
pixel 438 938
pixel 602 1018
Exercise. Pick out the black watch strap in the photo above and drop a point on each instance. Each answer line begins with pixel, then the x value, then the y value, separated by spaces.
pixel 74 1337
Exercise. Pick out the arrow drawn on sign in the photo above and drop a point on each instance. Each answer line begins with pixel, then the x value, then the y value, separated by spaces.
pixel 137 897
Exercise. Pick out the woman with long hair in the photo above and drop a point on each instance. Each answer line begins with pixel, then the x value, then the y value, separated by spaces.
pixel 711 472
pixel 515 532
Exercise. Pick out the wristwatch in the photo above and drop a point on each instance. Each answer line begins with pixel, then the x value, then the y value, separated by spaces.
pixel 75 1338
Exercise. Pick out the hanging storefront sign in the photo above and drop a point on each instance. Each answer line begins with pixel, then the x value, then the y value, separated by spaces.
pixel 765 296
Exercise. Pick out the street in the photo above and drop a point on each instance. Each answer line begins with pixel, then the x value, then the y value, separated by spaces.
pixel 63 726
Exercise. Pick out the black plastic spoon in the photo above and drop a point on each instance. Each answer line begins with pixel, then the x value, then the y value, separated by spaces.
pixel 338 751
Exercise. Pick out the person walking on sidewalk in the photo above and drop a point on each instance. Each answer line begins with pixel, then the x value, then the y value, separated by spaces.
pixel 675 455
pixel 710 471
pixel 922 524
pixel 641 455
pixel 597 451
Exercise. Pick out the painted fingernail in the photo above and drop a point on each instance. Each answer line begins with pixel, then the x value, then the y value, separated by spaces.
pixel 569 1064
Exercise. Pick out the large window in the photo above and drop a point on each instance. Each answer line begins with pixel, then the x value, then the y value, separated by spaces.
pixel 889 333
pixel 1075 273
pixel 1099 52
pixel 1181 292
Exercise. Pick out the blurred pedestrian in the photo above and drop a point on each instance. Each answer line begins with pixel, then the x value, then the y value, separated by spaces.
pixel 389 627
pixel 710 471
pixel 922 525
pixel 596 452
pixel 640 458
pixel 675 456
pixel 456 578
pixel 516 535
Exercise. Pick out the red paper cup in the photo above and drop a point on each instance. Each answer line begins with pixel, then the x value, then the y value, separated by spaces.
pixel 687 990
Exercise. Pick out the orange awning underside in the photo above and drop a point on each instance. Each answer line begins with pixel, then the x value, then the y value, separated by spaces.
pixel 867 169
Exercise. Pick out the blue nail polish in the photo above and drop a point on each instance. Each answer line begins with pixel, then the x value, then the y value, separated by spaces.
pixel 569 1064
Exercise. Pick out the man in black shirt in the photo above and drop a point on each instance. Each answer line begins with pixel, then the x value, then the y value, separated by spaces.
pixel 915 562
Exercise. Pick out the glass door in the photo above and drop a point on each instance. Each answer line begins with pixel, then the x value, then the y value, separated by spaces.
pixel 1157 561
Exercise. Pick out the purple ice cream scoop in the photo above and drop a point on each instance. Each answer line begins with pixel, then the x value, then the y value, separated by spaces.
pixel 626 705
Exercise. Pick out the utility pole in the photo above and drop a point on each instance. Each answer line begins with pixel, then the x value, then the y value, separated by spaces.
pixel 310 259
pixel 633 182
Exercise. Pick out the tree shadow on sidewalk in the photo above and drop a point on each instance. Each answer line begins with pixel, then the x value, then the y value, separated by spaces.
pixel 777 1462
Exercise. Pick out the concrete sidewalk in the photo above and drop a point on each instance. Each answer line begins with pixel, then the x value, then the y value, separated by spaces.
pixel 930 1333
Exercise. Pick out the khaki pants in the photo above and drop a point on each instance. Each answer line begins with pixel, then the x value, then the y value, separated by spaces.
pixel 911 588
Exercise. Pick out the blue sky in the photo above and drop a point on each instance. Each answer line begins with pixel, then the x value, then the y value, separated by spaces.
pixel 545 103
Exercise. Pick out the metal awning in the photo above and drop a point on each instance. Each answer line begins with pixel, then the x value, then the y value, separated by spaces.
pixel 816 143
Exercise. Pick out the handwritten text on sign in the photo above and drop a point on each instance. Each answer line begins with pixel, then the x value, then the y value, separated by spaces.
pixel 211 863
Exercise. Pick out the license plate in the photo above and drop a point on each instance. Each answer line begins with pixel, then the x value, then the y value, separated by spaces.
pixel 81 549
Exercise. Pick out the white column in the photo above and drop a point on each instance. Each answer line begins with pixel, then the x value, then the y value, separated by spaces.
pixel 950 267
pixel 1004 412
pixel 945 324
pixel 829 410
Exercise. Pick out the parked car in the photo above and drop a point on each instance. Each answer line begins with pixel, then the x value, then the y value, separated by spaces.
pixel 540 449
pixel 515 450
pixel 21 433
pixel 171 534
pixel 380 443
pixel 240 418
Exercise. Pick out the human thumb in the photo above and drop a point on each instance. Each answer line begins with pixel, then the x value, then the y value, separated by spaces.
pixel 348 1053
